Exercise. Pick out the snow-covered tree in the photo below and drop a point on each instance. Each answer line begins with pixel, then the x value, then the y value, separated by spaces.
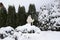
pixel 49 15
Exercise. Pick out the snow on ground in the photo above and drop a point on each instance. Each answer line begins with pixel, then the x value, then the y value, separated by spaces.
pixel 8 38
pixel 42 35
pixel 49 35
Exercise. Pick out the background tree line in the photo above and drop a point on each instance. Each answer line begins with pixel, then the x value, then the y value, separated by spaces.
pixel 14 19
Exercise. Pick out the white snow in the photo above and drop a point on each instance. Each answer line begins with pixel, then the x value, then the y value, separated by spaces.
pixel 56 19
pixel 8 28
pixel 49 35
pixel 42 15
pixel 38 35
pixel 44 35
pixel 23 32
pixel 8 38
pixel 3 32
pixel 50 12
pixel 26 28
pixel 55 14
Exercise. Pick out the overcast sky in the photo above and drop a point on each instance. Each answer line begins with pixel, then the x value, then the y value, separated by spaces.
pixel 25 3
